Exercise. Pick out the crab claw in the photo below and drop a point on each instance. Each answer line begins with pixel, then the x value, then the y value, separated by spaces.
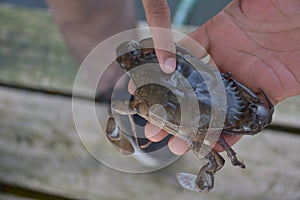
pixel 188 182
pixel 265 111
pixel 119 140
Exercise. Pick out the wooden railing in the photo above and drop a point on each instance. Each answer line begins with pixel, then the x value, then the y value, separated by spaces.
pixel 42 157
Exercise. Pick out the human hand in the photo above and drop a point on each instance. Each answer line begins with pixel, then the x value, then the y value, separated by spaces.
pixel 258 41
pixel 159 20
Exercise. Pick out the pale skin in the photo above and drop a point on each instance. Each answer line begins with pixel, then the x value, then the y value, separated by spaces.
pixel 257 40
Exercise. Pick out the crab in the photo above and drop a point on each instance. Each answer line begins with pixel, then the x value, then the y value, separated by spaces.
pixel 162 104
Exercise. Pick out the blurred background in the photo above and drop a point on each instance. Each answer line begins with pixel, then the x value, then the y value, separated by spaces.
pixel 42 157
pixel 32 44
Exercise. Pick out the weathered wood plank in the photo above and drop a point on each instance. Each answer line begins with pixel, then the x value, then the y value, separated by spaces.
pixel 32 51
pixel 11 197
pixel 33 54
pixel 287 112
pixel 40 148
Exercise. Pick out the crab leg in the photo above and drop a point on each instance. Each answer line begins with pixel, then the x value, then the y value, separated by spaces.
pixel 250 95
pixel 205 177
pixel 133 129
pixel 230 153
pixel 121 108
pixel 204 181
pixel 271 106
pixel 119 140
pixel 127 108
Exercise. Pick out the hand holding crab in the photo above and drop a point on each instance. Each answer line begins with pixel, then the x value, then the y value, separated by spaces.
pixel 258 41
pixel 240 40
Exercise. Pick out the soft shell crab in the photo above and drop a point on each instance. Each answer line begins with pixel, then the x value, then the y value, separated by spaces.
pixel 246 113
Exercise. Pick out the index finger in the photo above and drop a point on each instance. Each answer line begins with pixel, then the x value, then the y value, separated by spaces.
pixel 159 20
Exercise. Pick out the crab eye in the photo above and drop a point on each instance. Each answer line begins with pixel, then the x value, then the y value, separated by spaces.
pixel 253 109
pixel 134 48
pixel 135 52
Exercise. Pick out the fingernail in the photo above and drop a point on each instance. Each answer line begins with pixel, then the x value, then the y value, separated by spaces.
pixel 131 87
pixel 169 66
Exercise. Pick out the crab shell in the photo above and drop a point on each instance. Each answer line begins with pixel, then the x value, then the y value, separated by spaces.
pixel 245 112
pixel 190 89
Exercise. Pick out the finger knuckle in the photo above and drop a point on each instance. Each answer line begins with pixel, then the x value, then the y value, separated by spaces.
pixel 158 9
